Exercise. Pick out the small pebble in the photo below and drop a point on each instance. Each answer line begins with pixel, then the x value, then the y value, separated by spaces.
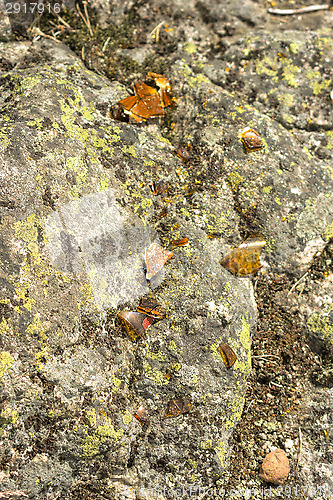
pixel 275 467
pixel 289 444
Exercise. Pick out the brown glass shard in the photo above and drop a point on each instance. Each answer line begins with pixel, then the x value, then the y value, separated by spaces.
pixel 228 355
pixel 117 113
pixel 152 308
pixel 163 213
pixel 245 259
pixel 163 83
pixel 159 187
pixel 181 242
pixel 143 105
pixel 142 415
pixel 148 104
pixel 183 153
pixel 129 107
pixel 177 407
pixel 135 323
pixel 251 140
pixel 156 257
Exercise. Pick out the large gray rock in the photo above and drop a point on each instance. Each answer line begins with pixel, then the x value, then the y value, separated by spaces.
pixel 77 212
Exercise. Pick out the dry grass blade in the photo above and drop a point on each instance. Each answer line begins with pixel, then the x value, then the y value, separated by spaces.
pixel 297 283
pixel 156 31
pixel 37 32
pixel 61 19
pixel 299 447
pixel 85 20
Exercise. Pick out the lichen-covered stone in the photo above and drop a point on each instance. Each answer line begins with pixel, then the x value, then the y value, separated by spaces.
pixel 71 378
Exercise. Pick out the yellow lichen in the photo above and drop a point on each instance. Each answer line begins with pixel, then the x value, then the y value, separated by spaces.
pixel 26 230
pixel 127 417
pixel 90 443
pixel 91 417
pixel 267 66
pixel 319 324
pixel 156 355
pixel 8 416
pixel 244 336
pixel 104 181
pixel 206 445
pixel 3 326
pixel 289 72
pixel 6 361
pixel 190 48
pixel 197 80
pixel 294 47
pixel 153 374
pixel 328 234
pixel 221 452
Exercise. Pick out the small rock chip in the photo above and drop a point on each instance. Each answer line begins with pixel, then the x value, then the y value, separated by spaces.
pixel 275 467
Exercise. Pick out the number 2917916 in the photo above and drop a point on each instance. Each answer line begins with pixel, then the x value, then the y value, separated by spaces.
pixel 16 8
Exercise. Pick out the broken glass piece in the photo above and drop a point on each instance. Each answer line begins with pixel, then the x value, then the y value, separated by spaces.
pixel 177 407
pixel 135 323
pixel 245 259
pixel 142 415
pixel 156 257
pixel 228 355
pixel 151 307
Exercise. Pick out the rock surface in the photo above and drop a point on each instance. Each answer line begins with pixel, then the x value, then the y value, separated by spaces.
pixel 77 212
pixel 76 185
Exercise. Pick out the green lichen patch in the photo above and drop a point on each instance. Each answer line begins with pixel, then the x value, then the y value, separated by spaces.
pixel 322 326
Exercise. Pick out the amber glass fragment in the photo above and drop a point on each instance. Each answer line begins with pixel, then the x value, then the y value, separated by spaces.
pixel 149 104
pixel 152 308
pixel 128 105
pixel 245 260
pixel 183 154
pixel 142 415
pixel 180 243
pixel 228 355
pixel 177 407
pixel 163 83
pixel 156 257
pixel 251 140
pixel 135 323
pixel 158 187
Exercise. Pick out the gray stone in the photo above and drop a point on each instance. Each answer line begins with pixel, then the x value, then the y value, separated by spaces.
pixel 77 200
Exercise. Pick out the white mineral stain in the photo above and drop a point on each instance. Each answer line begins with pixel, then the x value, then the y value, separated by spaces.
pixel 89 235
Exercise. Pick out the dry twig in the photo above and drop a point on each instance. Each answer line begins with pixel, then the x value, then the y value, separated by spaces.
pixel 37 32
pixel 297 283
pixel 106 44
pixel 8 494
pixel 87 17
pixel 303 10
pixel 61 20
pixel 299 447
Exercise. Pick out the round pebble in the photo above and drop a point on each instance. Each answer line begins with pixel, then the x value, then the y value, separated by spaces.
pixel 275 467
